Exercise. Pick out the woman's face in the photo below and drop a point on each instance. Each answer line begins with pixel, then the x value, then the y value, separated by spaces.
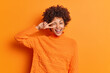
pixel 58 24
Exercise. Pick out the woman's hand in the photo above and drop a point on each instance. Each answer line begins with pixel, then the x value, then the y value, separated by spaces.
pixel 45 25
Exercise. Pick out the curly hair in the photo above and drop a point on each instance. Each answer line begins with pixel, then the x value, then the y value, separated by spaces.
pixel 56 11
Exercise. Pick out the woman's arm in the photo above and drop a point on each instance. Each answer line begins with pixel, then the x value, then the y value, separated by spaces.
pixel 24 37
pixel 73 67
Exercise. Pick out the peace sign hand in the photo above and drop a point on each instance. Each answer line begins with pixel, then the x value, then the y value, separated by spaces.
pixel 45 25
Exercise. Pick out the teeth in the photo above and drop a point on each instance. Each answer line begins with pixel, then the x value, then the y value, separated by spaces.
pixel 58 30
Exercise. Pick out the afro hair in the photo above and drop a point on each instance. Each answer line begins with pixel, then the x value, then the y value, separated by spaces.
pixel 56 11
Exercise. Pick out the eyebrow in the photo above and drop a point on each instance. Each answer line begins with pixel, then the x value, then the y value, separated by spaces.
pixel 61 20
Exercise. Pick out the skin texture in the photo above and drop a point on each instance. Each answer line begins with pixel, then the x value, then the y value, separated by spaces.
pixel 57 25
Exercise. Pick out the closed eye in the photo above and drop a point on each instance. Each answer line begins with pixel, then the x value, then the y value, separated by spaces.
pixel 52 24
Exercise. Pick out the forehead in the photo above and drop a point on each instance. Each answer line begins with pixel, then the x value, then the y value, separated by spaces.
pixel 58 19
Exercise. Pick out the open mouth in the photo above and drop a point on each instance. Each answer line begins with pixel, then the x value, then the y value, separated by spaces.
pixel 58 30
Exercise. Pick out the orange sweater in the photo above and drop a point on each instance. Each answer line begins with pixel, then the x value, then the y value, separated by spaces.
pixel 51 53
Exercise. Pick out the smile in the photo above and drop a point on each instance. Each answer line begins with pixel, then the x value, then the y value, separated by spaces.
pixel 58 30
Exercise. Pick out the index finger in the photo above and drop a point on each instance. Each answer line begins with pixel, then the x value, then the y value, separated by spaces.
pixel 51 23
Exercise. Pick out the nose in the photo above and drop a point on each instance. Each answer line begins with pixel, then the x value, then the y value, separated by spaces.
pixel 57 26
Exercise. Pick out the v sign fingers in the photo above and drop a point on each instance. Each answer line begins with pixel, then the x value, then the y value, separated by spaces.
pixel 46 25
pixel 51 25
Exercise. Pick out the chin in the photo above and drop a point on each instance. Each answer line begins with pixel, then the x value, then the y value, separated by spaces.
pixel 58 34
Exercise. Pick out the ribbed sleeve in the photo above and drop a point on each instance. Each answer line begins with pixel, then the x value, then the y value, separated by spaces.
pixel 24 37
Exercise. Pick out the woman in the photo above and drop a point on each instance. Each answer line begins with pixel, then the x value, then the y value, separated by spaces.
pixel 53 52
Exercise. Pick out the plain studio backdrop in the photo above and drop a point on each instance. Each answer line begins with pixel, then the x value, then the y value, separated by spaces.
pixel 90 27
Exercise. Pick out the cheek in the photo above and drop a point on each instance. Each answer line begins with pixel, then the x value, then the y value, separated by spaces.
pixel 62 26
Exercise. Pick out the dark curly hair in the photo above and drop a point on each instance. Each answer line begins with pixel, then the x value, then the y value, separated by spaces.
pixel 56 11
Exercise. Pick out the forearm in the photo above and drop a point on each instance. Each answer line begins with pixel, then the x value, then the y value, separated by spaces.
pixel 27 32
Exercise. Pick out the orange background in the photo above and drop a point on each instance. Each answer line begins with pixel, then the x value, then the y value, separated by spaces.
pixel 90 27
